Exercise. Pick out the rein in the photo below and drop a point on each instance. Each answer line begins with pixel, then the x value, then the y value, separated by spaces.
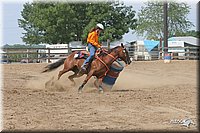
pixel 97 57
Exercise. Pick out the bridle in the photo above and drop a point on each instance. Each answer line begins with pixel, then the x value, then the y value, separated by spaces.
pixel 104 51
pixel 126 54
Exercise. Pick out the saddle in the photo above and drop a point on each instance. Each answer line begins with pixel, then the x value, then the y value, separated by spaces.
pixel 82 55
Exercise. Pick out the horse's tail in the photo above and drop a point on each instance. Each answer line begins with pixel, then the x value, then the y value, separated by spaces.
pixel 54 65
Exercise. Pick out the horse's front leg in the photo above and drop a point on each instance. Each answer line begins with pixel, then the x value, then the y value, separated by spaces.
pixel 100 89
pixel 98 84
pixel 89 75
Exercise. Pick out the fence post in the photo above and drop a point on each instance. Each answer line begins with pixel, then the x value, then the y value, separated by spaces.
pixel 7 55
pixel 48 55
pixel 37 60
pixel 68 49
pixel 108 44
pixel 160 48
pixel 27 55
pixel 187 53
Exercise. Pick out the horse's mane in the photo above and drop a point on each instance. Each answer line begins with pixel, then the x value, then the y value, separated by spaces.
pixel 114 48
pixel 109 51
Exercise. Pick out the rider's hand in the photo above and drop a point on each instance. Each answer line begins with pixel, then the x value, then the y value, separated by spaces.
pixel 99 49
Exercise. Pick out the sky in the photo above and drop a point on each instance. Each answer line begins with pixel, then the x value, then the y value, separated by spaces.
pixel 11 12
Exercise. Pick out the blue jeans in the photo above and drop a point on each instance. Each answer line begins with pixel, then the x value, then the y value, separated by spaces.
pixel 92 49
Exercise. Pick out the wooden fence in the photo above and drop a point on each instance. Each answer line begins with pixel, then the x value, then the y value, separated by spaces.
pixel 177 53
pixel 181 53
pixel 36 55
pixel 27 55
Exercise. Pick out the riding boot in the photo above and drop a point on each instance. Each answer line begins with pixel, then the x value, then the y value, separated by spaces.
pixel 84 67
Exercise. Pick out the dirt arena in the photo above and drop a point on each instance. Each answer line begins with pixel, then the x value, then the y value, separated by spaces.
pixel 147 96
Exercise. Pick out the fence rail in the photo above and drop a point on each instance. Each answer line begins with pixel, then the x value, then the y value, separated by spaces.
pixel 38 54
pixel 50 54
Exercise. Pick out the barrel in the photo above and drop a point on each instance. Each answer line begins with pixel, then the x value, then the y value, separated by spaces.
pixel 112 75
pixel 167 58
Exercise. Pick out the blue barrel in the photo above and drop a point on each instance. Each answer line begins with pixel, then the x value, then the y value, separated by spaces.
pixel 167 56
pixel 113 73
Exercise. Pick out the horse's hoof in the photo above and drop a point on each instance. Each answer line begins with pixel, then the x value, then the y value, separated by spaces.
pixel 101 91
pixel 79 91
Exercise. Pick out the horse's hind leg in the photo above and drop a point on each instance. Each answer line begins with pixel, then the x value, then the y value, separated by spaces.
pixel 89 75
pixel 75 75
pixel 71 78
pixel 62 72
pixel 98 85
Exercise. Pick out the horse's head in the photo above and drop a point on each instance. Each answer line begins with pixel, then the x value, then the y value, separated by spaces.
pixel 123 54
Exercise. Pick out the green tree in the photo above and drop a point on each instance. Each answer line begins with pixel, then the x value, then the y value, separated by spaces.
pixel 46 23
pixel 150 19
pixel 189 33
pixel 64 22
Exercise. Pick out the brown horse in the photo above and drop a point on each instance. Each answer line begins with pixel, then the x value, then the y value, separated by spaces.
pixel 98 67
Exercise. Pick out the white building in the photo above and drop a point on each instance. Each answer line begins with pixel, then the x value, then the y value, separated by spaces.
pixel 142 50
pixel 183 47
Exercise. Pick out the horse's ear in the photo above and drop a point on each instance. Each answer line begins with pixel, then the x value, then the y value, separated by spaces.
pixel 122 45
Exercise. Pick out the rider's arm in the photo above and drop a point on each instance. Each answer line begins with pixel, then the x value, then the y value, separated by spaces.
pixel 99 46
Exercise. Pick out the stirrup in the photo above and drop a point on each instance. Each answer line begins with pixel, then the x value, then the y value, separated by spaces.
pixel 81 71
pixel 83 68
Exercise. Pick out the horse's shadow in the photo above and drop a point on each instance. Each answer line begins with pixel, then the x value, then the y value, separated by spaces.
pixel 122 90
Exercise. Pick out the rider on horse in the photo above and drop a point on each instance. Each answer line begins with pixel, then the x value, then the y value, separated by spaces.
pixel 93 44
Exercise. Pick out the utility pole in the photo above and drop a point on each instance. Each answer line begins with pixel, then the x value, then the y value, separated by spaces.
pixel 165 6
